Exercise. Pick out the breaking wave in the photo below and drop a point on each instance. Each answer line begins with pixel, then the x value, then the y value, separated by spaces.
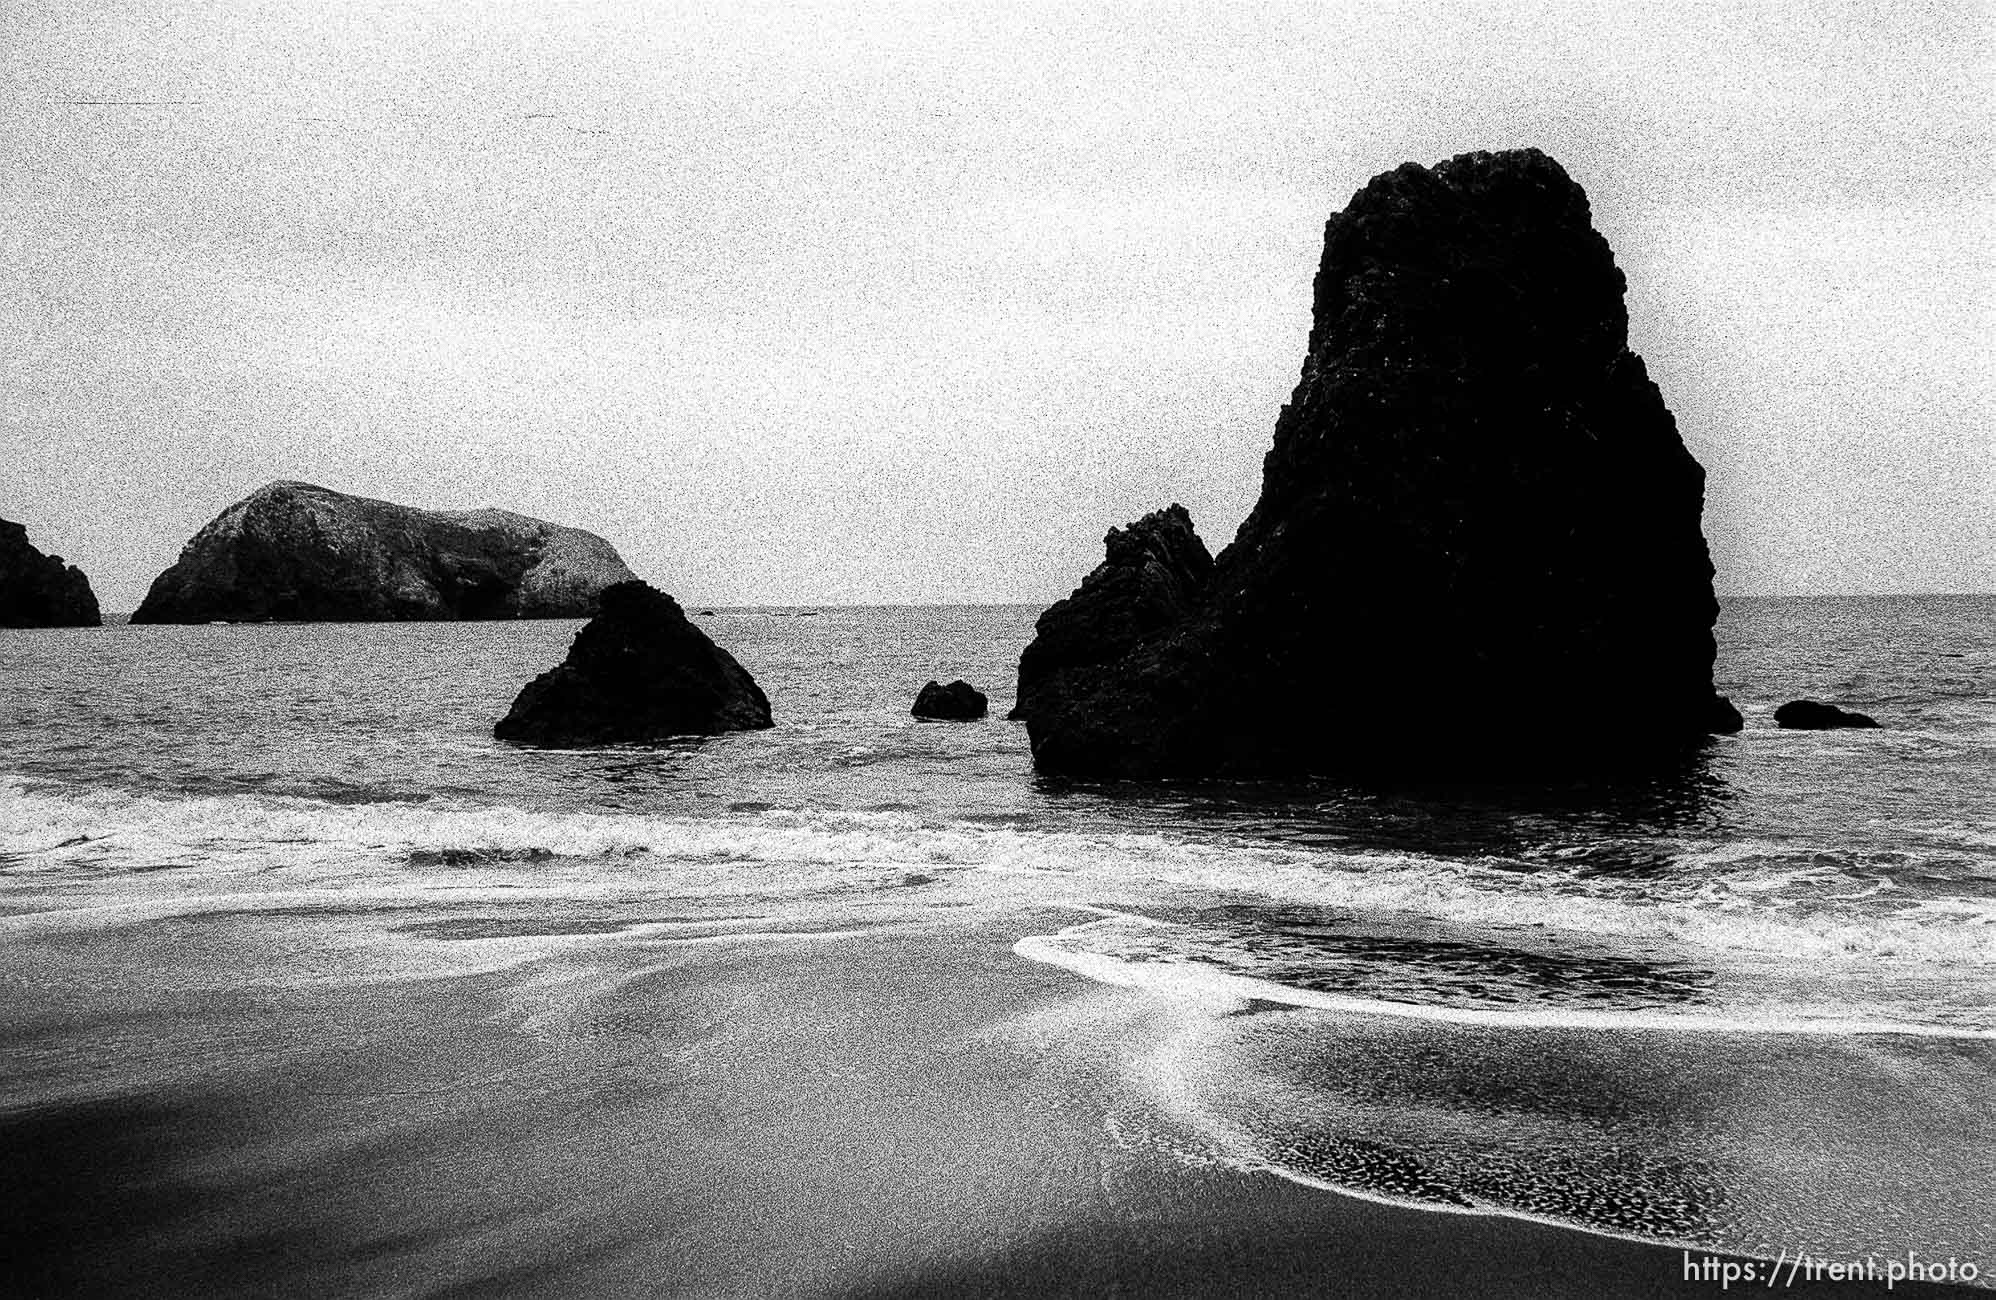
pixel 1714 903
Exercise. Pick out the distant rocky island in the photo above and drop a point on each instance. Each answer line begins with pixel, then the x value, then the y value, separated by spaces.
pixel 1477 549
pixel 39 590
pixel 638 672
pixel 296 552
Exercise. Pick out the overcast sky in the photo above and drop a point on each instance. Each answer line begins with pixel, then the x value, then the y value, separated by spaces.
pixel 911 302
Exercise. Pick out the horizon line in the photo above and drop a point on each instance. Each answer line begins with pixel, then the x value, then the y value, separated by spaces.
pixel 124 615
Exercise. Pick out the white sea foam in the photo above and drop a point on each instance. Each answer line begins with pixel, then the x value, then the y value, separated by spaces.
pixel 41 827
pixel 1210 989
pixel 1754 903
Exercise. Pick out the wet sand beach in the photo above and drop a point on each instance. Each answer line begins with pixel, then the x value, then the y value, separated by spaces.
pixel 253 1104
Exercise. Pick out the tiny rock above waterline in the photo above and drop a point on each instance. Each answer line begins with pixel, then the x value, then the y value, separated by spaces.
pixel 638 672
pixel 957 702
pixel 39 590
pixel 296 552
pixel 1813 715
pixel 1477 548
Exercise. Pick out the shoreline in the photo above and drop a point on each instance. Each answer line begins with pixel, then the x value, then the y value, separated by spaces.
pixel 904 1108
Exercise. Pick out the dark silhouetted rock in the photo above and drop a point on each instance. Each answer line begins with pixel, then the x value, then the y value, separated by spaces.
pixel 1155 574
pixel 957 702
pixel 294 552
pixel 1811 715
pixel 1477 548
pixel 638 672
pixel 39 590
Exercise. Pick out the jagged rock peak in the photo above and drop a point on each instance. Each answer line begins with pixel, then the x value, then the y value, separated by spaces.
pixel 1154 572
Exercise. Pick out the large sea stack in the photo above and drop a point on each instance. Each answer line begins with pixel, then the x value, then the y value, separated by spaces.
pixel 39 590
pixel 638 672
pixel 1477 549
pixel 295 552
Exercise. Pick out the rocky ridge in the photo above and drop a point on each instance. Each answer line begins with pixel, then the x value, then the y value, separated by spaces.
pixel 294 551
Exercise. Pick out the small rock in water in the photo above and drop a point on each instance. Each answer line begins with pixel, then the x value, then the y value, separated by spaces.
pixel 957 702
pixel 638 672
pixel 1813 715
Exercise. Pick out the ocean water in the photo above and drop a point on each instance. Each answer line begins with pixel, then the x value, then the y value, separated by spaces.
pixel 1749 1006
